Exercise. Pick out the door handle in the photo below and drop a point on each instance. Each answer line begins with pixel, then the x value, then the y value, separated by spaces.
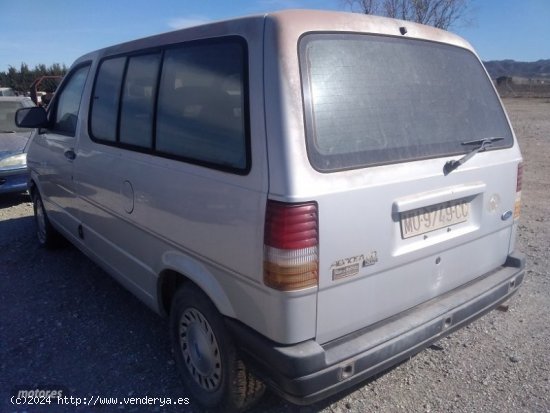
pixel 70 155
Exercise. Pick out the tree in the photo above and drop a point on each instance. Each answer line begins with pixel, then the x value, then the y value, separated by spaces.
pixel 438 13
pixel 21 80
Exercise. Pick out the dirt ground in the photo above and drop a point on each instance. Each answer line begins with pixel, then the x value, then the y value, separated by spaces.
pixel 65 323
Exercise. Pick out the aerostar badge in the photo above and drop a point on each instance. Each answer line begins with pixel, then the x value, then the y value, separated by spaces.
pixel 348 267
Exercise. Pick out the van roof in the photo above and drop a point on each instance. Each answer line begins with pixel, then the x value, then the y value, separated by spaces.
pixel 293 21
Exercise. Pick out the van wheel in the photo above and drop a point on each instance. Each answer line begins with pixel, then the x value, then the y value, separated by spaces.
pixel 206 356
pixel 47 236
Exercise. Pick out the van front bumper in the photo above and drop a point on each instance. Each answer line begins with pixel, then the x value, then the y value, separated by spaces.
pixel 307 372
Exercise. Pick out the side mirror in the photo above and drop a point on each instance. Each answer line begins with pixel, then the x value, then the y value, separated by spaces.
pixel 34 117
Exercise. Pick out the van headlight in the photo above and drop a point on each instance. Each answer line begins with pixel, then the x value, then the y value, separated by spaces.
pixel 18 161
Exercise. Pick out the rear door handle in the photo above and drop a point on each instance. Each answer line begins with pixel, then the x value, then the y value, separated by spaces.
pixel 70 155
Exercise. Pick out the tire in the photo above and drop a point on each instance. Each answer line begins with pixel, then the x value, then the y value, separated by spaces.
pixel 47 236
pixel 206 356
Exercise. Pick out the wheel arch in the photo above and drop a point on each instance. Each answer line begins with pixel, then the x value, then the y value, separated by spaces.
pixel 179 270
pixel 32 187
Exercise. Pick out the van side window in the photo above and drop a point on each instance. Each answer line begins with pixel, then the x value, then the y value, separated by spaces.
pixel 68 103
pixel 195 109
pixel 138 97
pixel 201 104
pixel 106 99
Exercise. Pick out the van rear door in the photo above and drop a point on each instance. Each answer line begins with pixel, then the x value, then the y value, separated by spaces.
pixel 396 227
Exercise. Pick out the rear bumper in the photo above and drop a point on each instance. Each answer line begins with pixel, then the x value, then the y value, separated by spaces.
pixel 307 372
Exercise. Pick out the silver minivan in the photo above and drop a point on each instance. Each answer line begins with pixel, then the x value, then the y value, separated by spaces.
pixel 310 197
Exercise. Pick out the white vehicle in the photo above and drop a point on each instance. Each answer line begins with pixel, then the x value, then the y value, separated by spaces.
pixel 6 91
pixel 311 197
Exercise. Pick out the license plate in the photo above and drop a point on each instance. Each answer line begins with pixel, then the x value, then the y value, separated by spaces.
pixel 431 218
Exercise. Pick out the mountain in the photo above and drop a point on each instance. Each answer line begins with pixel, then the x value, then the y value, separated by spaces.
pixel 509 68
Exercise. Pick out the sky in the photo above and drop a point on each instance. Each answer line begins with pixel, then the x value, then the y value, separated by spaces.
pixel 58 31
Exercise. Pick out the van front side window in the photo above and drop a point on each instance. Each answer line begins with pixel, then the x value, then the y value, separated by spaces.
pixel 68 103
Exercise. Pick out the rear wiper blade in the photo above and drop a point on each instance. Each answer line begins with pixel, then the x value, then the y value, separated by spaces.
pixel 481 145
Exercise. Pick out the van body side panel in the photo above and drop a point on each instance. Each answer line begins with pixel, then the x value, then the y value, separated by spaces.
pixel 144 214
pixel 166 220
pixel 52 176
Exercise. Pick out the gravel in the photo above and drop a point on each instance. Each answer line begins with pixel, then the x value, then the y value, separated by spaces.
pixel 66 324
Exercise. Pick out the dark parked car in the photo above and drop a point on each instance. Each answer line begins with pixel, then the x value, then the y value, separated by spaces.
pixel 13 141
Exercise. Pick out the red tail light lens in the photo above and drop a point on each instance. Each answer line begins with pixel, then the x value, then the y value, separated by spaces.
pixel 519 179
pixel 291 245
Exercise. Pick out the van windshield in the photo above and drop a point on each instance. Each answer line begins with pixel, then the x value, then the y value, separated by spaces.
pixel 373 100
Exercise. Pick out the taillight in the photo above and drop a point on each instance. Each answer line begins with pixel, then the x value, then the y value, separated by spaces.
pixel 291 246
pixel 519 179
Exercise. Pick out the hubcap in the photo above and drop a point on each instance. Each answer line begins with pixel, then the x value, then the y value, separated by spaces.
pixel 200 350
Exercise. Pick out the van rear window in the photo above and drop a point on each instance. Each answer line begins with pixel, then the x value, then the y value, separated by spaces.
pixel 373 100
